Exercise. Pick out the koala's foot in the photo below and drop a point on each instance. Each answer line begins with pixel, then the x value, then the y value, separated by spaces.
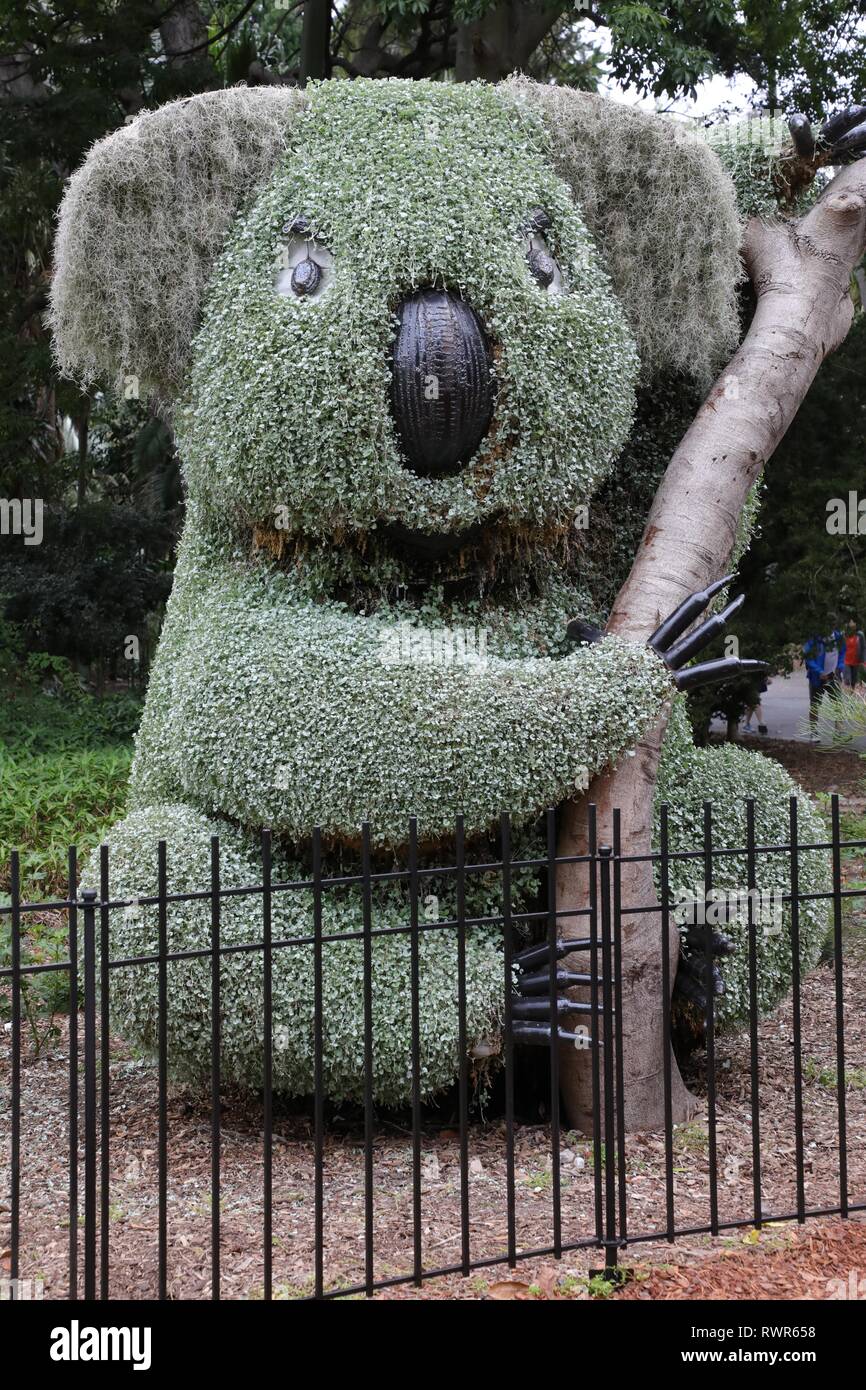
pixel 535 1007
pixel 133 848
pixel 698 977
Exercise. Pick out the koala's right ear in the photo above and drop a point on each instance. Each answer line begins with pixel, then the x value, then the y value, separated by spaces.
pixel 141 224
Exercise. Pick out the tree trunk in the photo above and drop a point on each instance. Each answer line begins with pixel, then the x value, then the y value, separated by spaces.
pixel 801 273
pixel 183 31
pixel 316 41
pixel 503 40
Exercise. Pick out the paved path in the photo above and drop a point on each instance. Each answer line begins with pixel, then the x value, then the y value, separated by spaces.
pixel 786 710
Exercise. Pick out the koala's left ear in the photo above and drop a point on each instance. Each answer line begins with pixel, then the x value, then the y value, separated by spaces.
pixel 141 224
pixel 664 216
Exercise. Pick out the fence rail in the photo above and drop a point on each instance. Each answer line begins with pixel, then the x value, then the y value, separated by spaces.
pixel 90 966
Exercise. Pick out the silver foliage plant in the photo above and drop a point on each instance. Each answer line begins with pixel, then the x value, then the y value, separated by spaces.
pixel 270 702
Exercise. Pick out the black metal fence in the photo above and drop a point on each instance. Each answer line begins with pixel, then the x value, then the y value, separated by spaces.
pixel 89 968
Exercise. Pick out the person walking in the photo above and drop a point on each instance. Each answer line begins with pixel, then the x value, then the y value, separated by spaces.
pixel 814 651
pixel 855 655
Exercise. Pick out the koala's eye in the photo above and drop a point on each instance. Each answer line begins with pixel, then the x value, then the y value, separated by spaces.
pixel 306 277
pixel 305 266
pixel 542 263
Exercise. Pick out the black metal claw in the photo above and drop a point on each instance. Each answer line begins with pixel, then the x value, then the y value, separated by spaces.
pixel 851 145
pixel 540 955
pixel 722 669
pixel 687 647
pixel 683 616
pixel 802 135
pixel 539 983
pixel 579 630
pixel 835 127
pixel 540 1007
pixel 540 1034
pixel 533 1008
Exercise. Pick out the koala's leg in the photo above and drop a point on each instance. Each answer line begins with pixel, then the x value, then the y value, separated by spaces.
pixel 134 994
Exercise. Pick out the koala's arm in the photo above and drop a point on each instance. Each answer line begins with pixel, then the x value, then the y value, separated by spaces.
pixel 266 711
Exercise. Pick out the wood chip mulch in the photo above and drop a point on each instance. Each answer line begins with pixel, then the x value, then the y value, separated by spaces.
pixel 821 1251
pixel 821 1260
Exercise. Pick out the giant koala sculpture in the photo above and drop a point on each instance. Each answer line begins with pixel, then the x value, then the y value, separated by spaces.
pixel 403 330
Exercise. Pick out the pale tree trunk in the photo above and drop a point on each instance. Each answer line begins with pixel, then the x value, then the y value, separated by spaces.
pixel 800 272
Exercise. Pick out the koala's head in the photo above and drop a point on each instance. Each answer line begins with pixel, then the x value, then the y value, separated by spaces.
pixel 419 309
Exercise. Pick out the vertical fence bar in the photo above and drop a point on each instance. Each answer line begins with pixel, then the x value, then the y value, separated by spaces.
pixel 618 1026
pixel 710 1022
pixel 318 1068
pixel 415 984
pixel 162 1069
pixel 840 1006
pixel 556 1176
pixel 592 848
pixel 104 1075
pixel 216 1040
pixel 367 889
pixel 508 956
pixel 15 1138
pixel 608 1064
pixel 72 894
pixel 268 1072
pixel 795 988
pixel 754 1083
pixel 88 900
pixel 462 1043
pixel 667 986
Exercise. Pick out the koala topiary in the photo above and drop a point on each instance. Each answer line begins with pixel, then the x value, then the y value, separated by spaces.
pixel 407 333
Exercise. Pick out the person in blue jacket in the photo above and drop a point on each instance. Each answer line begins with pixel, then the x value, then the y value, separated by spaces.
pixel 815 651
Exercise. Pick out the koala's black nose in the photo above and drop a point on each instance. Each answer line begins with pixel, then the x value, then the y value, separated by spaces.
pixel 442 386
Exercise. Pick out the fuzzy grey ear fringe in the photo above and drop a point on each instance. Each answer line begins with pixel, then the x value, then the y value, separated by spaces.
pixel 664 216
pixel 141 224
pixel 144 218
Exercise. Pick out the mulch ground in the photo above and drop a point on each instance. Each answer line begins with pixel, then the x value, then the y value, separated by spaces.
pixel 817 769
pixel 813 1255
pixel 820 1260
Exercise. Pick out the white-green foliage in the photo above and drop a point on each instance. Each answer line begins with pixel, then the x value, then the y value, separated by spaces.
pixel 727 777
pixel 272 699
pixel 141 223
pixel 134 998
pixel 273 707
pixel 750 151
pixel 292 396
pixel 664 217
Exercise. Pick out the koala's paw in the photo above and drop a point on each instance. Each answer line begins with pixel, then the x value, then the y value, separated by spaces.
pixel 840 140
pixel 675 650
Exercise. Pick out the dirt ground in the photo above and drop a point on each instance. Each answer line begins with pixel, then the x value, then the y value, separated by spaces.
pixel 783 1260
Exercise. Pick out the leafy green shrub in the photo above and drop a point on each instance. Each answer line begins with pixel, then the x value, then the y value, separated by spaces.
pixel 727 776
pixel 51 800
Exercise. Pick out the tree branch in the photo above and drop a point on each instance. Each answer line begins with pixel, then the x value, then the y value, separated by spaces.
pixel 801 274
